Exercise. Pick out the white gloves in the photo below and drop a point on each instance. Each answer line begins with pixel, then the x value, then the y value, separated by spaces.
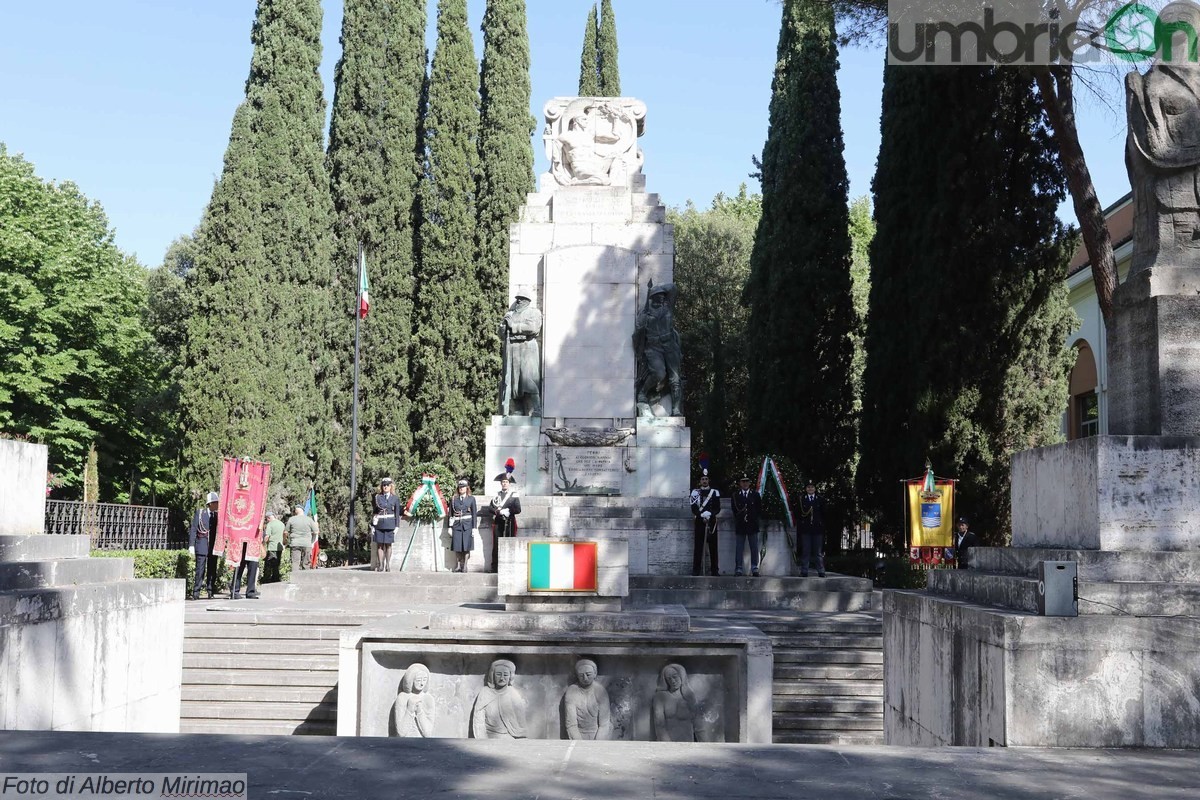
pixel 706 515
pixel 192 551
pixel 504 512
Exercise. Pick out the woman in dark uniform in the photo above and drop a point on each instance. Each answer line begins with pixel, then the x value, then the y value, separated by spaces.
pixel 387 516
pixel 462 525
pixel 504 507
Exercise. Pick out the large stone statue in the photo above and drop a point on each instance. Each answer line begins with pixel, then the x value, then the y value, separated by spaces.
pixel 586 712
pixel 412 715
pixel 658 352
pixel 499 711
pixel 592 141
pixel 521 386
pixel 675 708
pixel 1162 153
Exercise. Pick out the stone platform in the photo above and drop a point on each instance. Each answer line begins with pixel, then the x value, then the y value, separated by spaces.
pixel 320 768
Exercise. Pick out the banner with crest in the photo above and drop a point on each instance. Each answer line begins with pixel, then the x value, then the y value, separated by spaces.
pixel 243 503
pixel 930 512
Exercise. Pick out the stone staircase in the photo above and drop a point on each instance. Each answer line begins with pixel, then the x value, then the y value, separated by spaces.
pixel 255 669
pixel 828 683
pixel 393 590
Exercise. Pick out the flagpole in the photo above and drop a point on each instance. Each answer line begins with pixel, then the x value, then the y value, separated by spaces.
pixel 354 415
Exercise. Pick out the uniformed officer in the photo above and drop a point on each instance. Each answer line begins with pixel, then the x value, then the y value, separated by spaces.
pixel 388 511
pixel 811 531
pixel 706 504
pixel 747 508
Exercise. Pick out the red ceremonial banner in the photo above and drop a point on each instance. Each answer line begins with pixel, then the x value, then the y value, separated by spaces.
pixel 243 504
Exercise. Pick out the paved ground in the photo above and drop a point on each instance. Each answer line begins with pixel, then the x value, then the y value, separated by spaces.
pixel 307 768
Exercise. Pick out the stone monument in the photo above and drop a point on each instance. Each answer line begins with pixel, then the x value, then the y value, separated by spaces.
pixel 973 662
pixel 592 251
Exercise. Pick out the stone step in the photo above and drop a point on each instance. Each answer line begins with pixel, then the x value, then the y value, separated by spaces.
pixel 1099 598
pixel 247 614
pixel 230 645
pixel 826 641
pixel 395 596
pixel 253 710
pixel 1094 565
pixel 808 601
pixel 823 657
pixel 772 621
pixel 766 583
pixel 365 576
pixel 25 575
pixel 785 721
pixel 580 503
pixel 243 675
pixel 827 737
pixel 581 526
pixel 262 694
pixel 42 547
pixel 785 686
pixel 260 661
pixel 832 674
pixel 827 705
pixel 221 630
pixel 259 727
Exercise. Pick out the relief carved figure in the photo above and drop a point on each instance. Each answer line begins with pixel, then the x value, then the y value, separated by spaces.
pixel 658 351
pixel 675 708
pixel 1162 152
pixel 499 710
pixel 593 141
pixel 586 711
pixel 521 387
pixel 412 715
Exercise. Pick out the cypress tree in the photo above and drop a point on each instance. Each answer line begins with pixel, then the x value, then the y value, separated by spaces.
pixel 448 364
pixel 263 315
pixel 799 292
pixel 606 52
pixel 589 71
pixel 968 307
pixel 374 171
pixel 505 167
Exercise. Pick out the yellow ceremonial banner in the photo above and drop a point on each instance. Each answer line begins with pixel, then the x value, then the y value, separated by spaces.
pixel 930 513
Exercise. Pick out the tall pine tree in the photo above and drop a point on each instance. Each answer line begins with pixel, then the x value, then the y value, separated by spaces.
pixel 801 311
pixel 968 308
pixel 606 52
pixel 505 166
pixel 262 315
pixel 449 367
pixel 589 73
pixel 375 169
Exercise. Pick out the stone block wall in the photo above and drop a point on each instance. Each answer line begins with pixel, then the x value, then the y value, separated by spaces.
pixel 22 487
pixel 96 657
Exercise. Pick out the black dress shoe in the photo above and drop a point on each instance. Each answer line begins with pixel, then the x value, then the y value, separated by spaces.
pixel 252 595
pixel 237 596
pixel 820 574
pixel 210 594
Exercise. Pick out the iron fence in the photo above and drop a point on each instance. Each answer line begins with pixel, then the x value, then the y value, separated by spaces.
pixel 113 526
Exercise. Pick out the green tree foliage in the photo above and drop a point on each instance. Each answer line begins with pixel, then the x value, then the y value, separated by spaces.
pixel 76 361
pixel 712 262
pixel 800 398
pixel 606 52
pixel 447 362
pixel 264 320
pixel 505 167
pixel 862 232
pixel 375 168
pixel 589 61
pixel 968 307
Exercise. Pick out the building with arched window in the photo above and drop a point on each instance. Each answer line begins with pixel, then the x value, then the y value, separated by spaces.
pixel 1087 409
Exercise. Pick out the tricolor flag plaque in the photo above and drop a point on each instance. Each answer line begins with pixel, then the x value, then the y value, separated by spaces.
pixel 562 567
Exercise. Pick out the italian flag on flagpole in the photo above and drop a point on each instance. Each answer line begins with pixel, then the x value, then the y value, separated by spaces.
pixel 364 290
pixel 562 566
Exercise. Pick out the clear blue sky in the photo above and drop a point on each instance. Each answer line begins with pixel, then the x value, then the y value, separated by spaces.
pixel 133 99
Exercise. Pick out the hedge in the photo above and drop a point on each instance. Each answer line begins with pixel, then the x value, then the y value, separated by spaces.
pixel 168 564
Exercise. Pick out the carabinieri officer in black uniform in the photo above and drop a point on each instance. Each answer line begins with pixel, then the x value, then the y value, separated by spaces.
pixel 706 504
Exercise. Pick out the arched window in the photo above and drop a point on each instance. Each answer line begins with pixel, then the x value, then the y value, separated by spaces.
pixel 1083 415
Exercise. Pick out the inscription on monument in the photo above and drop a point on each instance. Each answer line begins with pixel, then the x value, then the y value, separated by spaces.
pixel 587 470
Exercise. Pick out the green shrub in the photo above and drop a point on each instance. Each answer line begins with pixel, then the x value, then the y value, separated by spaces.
pixel 167 564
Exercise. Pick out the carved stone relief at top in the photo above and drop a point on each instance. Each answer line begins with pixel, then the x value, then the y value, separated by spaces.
pixel 592 141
